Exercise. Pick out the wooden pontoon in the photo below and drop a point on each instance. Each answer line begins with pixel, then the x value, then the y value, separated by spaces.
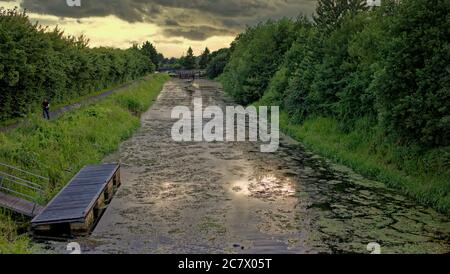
pixel 79 205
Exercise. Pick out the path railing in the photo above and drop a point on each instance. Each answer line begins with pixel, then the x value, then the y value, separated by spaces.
pixel 22 184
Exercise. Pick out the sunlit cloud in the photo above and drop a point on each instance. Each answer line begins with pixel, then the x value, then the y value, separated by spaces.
pixel 172 25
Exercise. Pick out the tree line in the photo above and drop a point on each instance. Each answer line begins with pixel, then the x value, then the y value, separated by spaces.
pixel 387 67
pixel 212 62
pixel 39 63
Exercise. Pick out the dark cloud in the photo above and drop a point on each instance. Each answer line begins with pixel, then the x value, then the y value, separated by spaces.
pixel 171 22
pixel 192 19
pixel 198 33
pixel 169 41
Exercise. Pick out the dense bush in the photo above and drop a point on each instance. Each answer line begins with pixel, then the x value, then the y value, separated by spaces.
pixel 204 59
pixel 413 85
pixel 256 56
pixel 217 63
pixel 37 63
pixel 291 85
pixel 149 51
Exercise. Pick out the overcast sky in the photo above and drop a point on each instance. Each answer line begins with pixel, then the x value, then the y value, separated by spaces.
pixel 172 25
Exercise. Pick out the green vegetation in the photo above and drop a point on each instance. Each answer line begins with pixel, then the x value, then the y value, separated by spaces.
pixel 212 62
pixel 189 61
pixel 149 51
pixel 59 148
pixel 423 176
pixel 38 63
pixel 217 63
pixel 10 241
pixel 204 58
pixel 367 87
pixel 256 56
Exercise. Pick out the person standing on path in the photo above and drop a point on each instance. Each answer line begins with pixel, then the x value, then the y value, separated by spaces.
pixel 46 109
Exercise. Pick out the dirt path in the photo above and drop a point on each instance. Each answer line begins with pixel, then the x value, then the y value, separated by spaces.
pixel 230 198
pixel 54 114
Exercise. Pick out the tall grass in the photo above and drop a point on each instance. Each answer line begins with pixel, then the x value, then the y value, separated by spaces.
pixel 59 148
pixel 10 241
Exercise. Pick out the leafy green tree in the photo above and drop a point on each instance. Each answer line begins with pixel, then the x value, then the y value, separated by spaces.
pixel 413 94
pixel 329 13
pixel 160 60
pixel 337 73
pixel 218 62
pixel 204 59
pixel 171 63
pixel 256 56
pixel 151 53
pixel 301 61
pixel 189 61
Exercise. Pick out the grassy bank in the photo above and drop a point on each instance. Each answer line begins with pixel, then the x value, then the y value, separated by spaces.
pixel 423 176
pixel 59 148
pixel 37 110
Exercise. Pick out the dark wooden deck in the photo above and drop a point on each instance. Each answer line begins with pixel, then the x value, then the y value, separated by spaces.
pixel 76 202
pixel 19 205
